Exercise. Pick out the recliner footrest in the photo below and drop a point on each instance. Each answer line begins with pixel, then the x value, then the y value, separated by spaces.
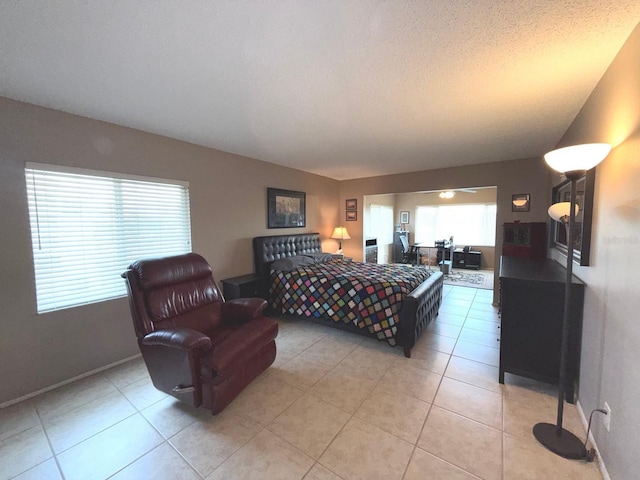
pixel 233 345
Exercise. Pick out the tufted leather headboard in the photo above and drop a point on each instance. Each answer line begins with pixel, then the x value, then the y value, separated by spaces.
pixel 268 249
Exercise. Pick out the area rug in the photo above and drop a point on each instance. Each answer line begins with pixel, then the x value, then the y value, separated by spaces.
pixel 465 278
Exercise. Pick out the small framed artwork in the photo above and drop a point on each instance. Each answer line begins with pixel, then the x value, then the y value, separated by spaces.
pixel 351 216
pixel 404 217
pixel 521 202
pixel 286 208
pixel 352 204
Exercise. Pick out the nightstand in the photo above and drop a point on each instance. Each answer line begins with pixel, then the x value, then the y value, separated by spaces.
pixel 340 256
pixel 246 286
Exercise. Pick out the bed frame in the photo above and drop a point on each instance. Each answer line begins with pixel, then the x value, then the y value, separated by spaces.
pixel 419 308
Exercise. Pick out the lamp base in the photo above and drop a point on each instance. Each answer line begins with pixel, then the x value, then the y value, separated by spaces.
pixel 566 444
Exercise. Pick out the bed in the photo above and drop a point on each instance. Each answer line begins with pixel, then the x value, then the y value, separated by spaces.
pixel 393 303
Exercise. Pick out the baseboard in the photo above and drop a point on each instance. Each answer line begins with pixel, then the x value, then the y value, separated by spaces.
pixel 592 441
pixel 66 382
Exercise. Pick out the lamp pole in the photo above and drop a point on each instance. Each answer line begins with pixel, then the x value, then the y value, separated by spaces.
pixel 554 437
pixel 573 162
pixel 573 177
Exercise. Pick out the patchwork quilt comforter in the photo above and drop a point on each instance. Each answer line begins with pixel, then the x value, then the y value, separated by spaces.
pixel 367 294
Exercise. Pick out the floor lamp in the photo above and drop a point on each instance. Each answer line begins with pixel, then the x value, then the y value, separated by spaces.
pixel 573 162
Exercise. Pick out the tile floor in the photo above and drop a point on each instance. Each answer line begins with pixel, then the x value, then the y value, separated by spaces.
pixel 333 406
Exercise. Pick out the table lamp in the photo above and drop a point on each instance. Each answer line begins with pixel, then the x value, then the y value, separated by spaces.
pixel 340 233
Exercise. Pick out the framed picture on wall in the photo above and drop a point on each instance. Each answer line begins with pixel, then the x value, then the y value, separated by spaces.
pixel 404 217
pixel 286 208
pixel 352 204
pixel 521 202
pixel 351 216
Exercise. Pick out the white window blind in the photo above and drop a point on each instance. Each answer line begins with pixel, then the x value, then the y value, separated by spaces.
pixel 381 224
pixel 87 227
pixel 472 224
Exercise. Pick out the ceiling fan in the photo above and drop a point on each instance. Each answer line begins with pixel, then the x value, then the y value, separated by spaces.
pixel 466 190
pixel 450 193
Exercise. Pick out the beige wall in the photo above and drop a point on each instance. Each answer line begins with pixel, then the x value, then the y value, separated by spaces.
pixel 610 369
pixel 228 208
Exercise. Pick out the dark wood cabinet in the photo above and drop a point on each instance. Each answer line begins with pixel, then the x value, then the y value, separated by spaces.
pixel 531 311
pixel 468 259
pixel 527 240
pixel 246 286
pixel 371 250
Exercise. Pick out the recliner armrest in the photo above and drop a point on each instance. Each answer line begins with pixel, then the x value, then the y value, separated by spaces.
pixel 181 338
pixel 241 310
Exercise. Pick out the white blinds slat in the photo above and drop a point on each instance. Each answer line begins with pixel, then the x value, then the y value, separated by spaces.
pixel 86 229
pixel 469 224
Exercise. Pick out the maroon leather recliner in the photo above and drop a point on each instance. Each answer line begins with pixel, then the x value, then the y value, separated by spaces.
pixel 197 347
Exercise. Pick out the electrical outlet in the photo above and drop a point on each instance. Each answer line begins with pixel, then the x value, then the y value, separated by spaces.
pixel 606 419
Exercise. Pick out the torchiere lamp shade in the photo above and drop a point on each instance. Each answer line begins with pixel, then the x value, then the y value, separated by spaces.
pixel 560 211
pixel 577 157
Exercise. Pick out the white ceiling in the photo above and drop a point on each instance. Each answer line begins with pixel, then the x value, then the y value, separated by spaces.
pixel 345 89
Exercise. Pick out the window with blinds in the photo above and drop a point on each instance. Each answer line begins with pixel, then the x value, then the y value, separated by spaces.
pixel 472 224
pixel 87 227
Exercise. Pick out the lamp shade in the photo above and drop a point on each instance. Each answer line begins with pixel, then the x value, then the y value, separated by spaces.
pixel 577 157
pixel 340 233
pixel 560 211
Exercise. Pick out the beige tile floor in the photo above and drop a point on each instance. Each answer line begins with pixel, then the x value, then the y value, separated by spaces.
pixel 333 406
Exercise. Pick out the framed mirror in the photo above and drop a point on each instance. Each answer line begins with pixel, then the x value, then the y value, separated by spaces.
pixel 582 232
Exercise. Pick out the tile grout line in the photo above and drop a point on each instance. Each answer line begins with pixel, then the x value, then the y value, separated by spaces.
pixel 305 392
pixel 39 414
pixel 415 446
pixel 352 415
pixel 164 439
pixel 53 453
pixel 266 427
pixel 137 411
pixel 431 406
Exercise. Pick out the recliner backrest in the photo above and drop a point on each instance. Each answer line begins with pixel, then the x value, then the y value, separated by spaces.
pixel 173 292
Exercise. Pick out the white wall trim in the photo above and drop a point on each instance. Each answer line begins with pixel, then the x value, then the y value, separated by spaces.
pixel 66 382
pixel 592 441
